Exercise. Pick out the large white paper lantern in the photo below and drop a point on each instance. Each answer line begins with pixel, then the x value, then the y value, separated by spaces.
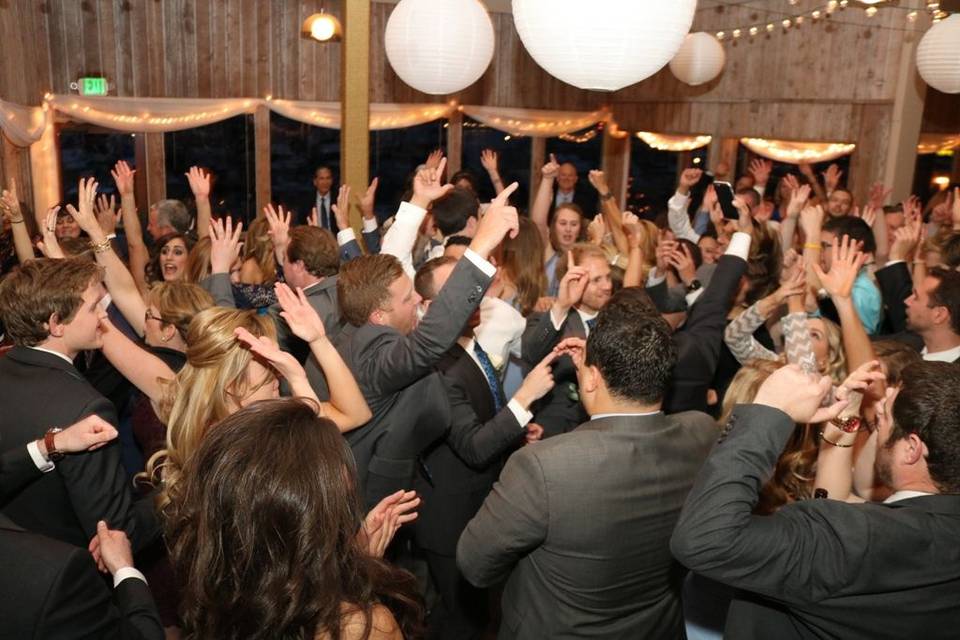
pixel 938 55
pixel 602 44
pixel 699 60
pixel 439 46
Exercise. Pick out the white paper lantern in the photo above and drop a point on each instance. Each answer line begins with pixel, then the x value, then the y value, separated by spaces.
pixel 602 44
pixel 439 46
pixel 699 60
pixel 938 55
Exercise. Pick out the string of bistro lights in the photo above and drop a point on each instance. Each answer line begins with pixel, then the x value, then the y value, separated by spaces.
pixel 787 20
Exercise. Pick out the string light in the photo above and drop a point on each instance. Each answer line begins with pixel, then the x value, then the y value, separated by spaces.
pixel 798 152
pixel 664 142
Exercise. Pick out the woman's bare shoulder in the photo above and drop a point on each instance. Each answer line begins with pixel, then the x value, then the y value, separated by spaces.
pixel 384 625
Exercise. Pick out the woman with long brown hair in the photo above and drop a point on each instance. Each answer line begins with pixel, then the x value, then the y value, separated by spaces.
pixel 264 536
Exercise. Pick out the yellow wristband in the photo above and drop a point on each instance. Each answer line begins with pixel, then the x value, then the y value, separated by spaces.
pixel 811 245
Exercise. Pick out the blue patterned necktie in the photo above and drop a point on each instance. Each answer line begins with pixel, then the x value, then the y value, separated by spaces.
pixel 591 323
pixel 490 373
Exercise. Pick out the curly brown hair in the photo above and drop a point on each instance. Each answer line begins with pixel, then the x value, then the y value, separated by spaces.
pixel 264 534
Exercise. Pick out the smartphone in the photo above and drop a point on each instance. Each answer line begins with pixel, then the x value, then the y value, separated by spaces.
pixel 725 198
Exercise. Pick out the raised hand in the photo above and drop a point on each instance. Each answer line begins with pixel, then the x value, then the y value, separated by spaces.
pixel 688 179
pixel 860 379
pixel 846 262
pixel 550 170
pixel 433 160
pixel 279 223
pixel 383 521
pixel 793 282
pixel 868 214
pixel 302 318
pixel 224 244
pixel 811 221
pixel 199 182
pixel 49 246
pixel 84 435
pixel 490 160
pixel 341 210
pixel 83 214
pixel 312 219
pixel 791 181
pixel 366 202
pixel 537 383
pixel 682 261
pixel 283 363
pixel 428 185
pixel 596 230
pixel 831 177
pixel 572 285
pixel 123 177
pixel 665 247
pixel 10 202
pixel 906 239
pixel 599 181
pixel 106 212
pixel 744 221
pixel 799 395
pixel 574 347
pixel 499 220
pixel 878 195
pixel 760 170
pixel 798 200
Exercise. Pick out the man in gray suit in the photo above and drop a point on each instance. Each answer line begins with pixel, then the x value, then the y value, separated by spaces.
pixel 580 524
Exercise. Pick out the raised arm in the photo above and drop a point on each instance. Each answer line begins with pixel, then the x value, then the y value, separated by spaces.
pixel 612 215
pixel 799 195
pixel 10 206
pixel 200 186
pixel 136 249
pixel 123 290
pixel 677 215
pixel 146 371
pixel 540 210
pixel 279 223
pixel 489 159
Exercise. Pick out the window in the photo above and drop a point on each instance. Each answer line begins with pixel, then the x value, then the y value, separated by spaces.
pixel 514 164
pixel 87 150
pixel 395 154
pixel 652 179
pixel 296 150
pixel 226 150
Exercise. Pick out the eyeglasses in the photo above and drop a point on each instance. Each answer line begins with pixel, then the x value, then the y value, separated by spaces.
pixel 148 315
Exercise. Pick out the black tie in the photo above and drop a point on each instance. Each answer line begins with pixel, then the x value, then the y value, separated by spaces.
pixel 324 214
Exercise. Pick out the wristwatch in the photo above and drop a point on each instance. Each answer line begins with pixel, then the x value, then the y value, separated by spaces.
pixel 693 286
pixel 52 453
pixel 606 196
pixel 847 425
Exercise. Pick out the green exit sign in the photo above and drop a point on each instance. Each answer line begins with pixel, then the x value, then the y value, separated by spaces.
pixel 93 86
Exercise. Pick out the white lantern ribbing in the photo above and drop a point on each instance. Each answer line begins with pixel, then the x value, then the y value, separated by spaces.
pixel 602 44
pixel 938 55
pixel 699 60
pixel 439 46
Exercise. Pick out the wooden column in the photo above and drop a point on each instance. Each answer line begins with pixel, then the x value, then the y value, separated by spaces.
pixel 616 165
pixel 538 158
pixel 151 176
pixel 454 142
pixel 355 102
pixel 45 170
pixel 261 141
pixel 723 155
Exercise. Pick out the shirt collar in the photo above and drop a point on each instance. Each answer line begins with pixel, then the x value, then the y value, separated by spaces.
pixel 905 495
pixel 51 351
pixel 624 415
pixel 950 355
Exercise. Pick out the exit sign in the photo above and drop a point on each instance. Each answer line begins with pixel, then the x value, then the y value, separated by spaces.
pixel 93 86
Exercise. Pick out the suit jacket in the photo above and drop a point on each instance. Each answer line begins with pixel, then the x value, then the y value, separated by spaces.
pixel 17 470
pixel 560 410
pixel 818 568
pixel 322 296
pixel 698 342
pixel 397 377
pixel 581 523
pixel 896 285
pixel 464 465
pixel 39 390
pixel 50 590
pixel 584 197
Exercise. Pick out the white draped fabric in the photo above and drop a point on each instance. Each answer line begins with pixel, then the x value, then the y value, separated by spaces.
pixel 534 122
pixel 797 152
pixel 151 115
pixel 665 142
pixel 382 115
pixel 22 125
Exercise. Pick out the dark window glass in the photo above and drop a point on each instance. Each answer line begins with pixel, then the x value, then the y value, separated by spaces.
pixel 395 154
pixel 514 164
pixel 584 149
pixel 652 179
pixel 780 169
pixel 930 166
pixel 226 150
pixel 86 150
pixel 296 151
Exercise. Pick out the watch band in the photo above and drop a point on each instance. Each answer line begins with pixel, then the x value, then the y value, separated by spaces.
pixel 53 454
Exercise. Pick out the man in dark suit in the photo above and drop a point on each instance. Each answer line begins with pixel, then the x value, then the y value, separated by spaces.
pixel 580 524
pixel 584 289
pixel 460 468
pixel 931 310
pixel 52 311
pixel 392 355
pixel 827 568
pixel 568 190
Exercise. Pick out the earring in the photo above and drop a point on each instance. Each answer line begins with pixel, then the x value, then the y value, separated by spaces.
pixel 165 338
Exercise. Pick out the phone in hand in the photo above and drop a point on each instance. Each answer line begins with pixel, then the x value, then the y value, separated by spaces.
pixel 724 192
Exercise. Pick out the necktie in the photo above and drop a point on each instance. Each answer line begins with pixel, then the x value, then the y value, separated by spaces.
pixel 324 213
pixel 490 373
pixel 591 323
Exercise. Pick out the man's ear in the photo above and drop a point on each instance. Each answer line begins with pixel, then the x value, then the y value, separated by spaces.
pixel 591 378
pixel 915 451
pixel 941 315
pixel 53 326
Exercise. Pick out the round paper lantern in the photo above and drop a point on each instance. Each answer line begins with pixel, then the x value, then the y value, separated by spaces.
pixel 439 46
pixel 699 60
pixel 602 44
pixel 938 55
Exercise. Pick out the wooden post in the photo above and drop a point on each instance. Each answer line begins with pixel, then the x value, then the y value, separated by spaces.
pixel 151 176
pixel 261 138
pixel 355 103
pixel 538 158
pixel 454 142
pixel 906 119
pixel 45 170
pixel 616 165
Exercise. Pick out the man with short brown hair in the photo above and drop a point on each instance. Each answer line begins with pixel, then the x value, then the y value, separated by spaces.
pixel 52 312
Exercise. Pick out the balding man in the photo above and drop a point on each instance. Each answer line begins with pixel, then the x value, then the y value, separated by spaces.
pixel 567 190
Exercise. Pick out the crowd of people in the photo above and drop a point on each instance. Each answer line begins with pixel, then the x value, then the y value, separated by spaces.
pixel 476 421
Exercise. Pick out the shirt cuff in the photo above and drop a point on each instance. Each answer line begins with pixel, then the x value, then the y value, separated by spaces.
pixel 678 200
pixel 557 323
pixel 693 295
pixel 126 572
pixel 369 225
pixel 891 262
pixel 522 415
pixel 408 210
pixel 484 265
pixel 345 235
pixel 654 277
pixel 42 463
pixel 739 245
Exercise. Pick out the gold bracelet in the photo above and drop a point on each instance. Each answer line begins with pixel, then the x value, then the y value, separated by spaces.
pixel 17 221
pixel 836 444
pixel 102 246
pixel 811 245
